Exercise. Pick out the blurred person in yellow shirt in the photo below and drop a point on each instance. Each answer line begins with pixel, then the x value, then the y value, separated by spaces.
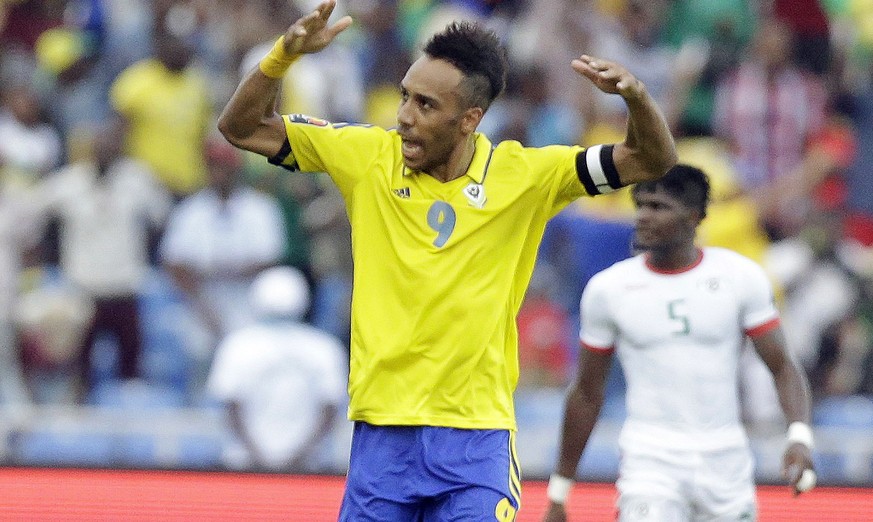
pixel 165 103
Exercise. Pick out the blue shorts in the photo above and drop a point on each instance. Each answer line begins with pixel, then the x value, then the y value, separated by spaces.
pixel 429 473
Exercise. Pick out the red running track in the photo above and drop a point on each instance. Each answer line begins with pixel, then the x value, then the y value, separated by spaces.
pixel 113 495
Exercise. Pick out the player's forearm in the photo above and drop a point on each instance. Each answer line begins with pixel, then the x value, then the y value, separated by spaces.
pixel 792 386
pixel 250 113
pixel 793 391
pixel 580 415
pixel 649 143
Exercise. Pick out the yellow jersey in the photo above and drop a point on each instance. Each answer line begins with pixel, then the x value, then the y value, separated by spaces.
pixel 440 269
pixel 168 114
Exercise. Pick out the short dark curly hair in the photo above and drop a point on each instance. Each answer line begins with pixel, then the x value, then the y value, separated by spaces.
pixel 478 54
pixel 688 184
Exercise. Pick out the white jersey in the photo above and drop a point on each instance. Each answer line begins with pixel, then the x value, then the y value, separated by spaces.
pixel 678 336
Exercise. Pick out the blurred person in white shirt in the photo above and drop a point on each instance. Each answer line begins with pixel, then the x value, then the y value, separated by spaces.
pixel 18 234
pixel 109 206
pixel 216 241
pixel 282 381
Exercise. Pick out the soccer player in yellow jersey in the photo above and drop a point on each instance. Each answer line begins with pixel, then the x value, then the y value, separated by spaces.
pixel 445 230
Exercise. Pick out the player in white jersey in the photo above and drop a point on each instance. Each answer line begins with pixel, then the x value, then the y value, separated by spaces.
pixel 677 316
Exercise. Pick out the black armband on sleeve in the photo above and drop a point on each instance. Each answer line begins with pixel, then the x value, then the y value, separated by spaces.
pixel 282 155
pixel 597 171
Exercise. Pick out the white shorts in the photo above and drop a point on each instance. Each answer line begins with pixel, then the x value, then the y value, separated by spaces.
pixel 660 485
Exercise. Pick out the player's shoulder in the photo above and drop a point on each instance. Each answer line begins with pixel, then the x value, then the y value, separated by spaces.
pixel 513 148
pixel 320 128
pixel 619 271
pixel 729 257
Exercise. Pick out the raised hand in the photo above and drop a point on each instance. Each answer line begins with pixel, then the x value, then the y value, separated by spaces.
pixel 311 33
pixel 609 77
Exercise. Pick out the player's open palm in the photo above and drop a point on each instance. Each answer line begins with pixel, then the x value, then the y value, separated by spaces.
pixel 311 33
pixel 607 76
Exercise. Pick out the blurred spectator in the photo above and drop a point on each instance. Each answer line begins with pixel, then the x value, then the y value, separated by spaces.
pixel 330 234
pixel 75 83
pixel 858 178
pixel 330 85
pixel 532 44
pixel 732 217
pixel 217 240
pixel 18 233
pixel 567 244
pixel 108 206
pixel 52 319
pixel 283 382
pixel 383 56
pixel 635 38
pixel 526 113
pixel 713 32
pixel 767 110
pixel 167 107
pixel 382 52
pixel 30 146
pixel 292 193
pixel 22 21
pixel 544 354
pixel 811 49
pixel 817 180
pixel 76 63
pixel 820 289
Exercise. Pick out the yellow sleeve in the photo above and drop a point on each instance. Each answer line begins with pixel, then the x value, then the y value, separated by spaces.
pixel 345 151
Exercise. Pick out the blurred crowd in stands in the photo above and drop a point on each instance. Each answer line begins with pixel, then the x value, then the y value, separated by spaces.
pixel 112 173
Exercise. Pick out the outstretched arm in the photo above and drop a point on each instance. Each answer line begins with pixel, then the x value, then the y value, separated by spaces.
pixel 249 120
pixel 581 410
pixel 648 150
pixel 794 396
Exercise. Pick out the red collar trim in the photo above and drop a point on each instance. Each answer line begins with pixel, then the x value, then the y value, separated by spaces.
pixel 675 270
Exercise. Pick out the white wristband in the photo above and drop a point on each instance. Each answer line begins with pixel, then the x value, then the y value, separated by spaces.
pixel 559 488
pixel 801 433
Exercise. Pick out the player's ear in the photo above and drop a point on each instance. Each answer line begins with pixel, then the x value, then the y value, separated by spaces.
pixel 695 217
pixel 471 118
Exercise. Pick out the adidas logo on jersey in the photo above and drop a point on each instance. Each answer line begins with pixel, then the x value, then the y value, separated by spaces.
pixel 402 192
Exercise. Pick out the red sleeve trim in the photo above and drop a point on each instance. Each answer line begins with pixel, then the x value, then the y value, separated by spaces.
pixel 597 349
pixel 763 328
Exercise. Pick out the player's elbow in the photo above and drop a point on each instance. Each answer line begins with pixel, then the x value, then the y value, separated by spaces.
pixel 230 129
pixel 659 165
pixel 264 136
pixel 587 394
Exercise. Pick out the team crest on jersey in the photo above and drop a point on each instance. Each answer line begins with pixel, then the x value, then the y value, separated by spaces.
pixel 402 193
pixel 712 284
pixel 302 118
pixel 475 194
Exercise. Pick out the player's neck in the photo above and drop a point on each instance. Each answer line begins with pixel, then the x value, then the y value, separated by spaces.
pixel 459 161
pixel 674 259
